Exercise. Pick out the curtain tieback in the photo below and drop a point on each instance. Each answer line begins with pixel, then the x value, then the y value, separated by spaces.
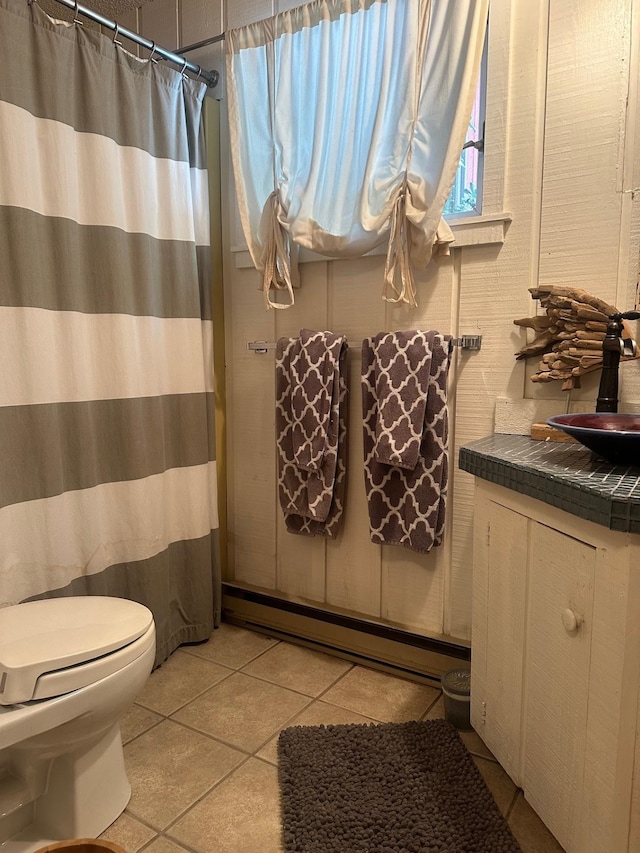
pixel 277 266
pixel 398 260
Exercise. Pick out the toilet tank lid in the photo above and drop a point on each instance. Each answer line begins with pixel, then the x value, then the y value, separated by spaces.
pixel 45 636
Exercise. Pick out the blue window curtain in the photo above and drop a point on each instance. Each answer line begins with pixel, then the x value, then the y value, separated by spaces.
pixel 347 118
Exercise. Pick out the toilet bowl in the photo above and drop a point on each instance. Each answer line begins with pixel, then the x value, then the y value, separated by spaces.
pixel 69 668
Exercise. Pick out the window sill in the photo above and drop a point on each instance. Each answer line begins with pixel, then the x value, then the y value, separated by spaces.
pixel 480 230
pixel 490 228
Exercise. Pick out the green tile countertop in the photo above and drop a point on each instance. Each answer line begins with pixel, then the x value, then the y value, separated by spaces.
pixel 564 475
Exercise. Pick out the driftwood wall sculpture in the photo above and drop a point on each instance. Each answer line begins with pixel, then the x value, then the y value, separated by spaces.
pixel 569 334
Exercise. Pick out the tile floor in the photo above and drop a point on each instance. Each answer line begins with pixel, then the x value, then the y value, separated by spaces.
pixel 200 742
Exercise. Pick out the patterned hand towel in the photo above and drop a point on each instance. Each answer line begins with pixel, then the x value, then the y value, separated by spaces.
pixel 311 396
pixel 314 365
pixel 403 365
pixel 406 507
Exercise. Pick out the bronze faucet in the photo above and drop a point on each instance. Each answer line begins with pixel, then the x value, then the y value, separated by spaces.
pixel 613 347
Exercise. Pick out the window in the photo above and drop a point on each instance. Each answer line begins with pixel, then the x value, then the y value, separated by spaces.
pixel 324 166
pixel 465 198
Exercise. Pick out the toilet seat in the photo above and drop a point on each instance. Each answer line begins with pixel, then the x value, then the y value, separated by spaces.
pixel 58 645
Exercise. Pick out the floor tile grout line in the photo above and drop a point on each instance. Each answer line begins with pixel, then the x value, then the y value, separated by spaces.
pixel 138 819
pixel 286 724
pixel 209 736
pixel 199 799
pixel 292 721
pixel 431 706
pixel 242 670
pixel 350 666
pixel 182 844
pixel 197 696
pixel 166 831
pixel 230 744
pixel 512 805
pixel 265 680
pixel 149 842
pixel 319 697
pixel 245 755
pixel 135 737
pixel 244 750
pixel 229 666
pixel 336 681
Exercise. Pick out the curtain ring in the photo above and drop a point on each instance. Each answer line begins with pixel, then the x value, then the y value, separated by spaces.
pixel 115 36
pixel 76 19
pixel 199 73
pixel 153 50
pixel 183 67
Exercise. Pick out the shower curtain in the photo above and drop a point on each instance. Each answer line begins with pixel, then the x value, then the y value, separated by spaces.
pixel 107 453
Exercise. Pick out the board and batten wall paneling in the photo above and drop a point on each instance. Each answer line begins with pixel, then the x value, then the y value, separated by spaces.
pixel 589 148
pixel 355 309
pixel 480 377
pixel 414 585
pixel 159 22
pixel 584 139
pixel 629 246
pixel 251 433
pixel 557 138
pixel 199 20
pixel 239 13
pixel 494 279
pixel 301 560
pixel 251 460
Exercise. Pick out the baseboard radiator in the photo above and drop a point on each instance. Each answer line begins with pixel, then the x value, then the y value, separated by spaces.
pixel 363 641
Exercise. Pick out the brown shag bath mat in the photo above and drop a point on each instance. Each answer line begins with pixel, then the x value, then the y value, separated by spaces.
pixel 389 788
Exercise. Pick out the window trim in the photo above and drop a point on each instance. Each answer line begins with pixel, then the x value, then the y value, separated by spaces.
pixel 483 230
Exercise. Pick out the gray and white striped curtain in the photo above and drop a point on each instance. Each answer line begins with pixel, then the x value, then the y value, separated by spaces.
pixel 107 455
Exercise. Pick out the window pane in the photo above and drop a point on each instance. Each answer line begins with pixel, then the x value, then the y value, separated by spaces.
pixel 465 197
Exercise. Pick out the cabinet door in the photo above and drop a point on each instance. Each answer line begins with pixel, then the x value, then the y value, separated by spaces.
pixel 561 581
pixel 499 607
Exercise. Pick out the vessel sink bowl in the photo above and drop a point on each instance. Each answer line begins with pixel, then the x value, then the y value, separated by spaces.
pixel 614 437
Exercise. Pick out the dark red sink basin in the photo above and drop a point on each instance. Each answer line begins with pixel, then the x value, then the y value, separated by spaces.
pixel 614 437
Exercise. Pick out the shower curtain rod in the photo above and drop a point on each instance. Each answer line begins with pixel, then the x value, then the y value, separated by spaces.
pixel 210 77
pixel 203 43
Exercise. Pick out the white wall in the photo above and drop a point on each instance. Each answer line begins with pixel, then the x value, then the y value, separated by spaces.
pixel 562 160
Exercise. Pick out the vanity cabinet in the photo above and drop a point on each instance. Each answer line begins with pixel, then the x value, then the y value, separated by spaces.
pixel 556 665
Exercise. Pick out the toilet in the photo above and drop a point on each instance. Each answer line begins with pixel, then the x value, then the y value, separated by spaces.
pixel 69 668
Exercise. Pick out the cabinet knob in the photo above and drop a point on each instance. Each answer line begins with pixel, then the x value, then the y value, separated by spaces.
pixel 571 620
